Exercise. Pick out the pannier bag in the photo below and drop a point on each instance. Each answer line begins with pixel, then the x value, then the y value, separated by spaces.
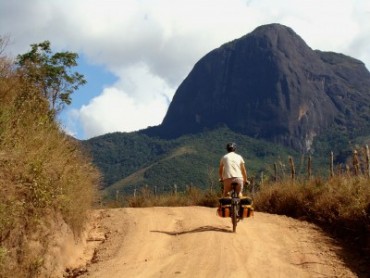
pixel 246 208
pixel 223 211
pixel 224 206
pixel 246 211
pixel 246 201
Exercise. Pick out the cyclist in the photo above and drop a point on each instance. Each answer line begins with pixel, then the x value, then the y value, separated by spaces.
pixel 232 169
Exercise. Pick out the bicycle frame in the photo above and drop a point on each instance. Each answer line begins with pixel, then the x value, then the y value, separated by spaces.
pixel 235 206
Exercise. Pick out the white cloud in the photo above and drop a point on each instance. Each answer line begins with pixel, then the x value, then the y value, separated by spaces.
pixel 151 45
pixel 115 110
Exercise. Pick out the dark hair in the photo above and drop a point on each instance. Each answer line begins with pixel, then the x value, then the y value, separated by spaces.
pixel 231 147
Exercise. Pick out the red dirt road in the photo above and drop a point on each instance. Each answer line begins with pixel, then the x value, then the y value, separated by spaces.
pixel 194 242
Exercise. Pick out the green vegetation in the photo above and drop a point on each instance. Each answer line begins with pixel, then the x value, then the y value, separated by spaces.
pixel 120 154
pixel 51 73
pixel 131 161
pixel 46 180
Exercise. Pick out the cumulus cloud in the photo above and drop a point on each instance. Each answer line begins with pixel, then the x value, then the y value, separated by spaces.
pixel 151 45
pixel 116 110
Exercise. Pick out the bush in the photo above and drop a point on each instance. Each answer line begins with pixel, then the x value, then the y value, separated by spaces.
pixel 341 204
pixel 43 173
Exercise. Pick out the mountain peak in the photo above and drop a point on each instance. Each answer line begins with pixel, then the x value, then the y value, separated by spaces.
pixel 270 84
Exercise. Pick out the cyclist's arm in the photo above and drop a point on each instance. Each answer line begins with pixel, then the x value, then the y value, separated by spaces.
pixel 244 172
pixel 220 171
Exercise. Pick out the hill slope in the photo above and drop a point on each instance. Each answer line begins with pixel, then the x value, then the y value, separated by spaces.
pixel 132 160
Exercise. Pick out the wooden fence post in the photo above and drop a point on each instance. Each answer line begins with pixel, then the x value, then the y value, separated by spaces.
pixel 261 178
pixel 356 163
pixel 292 168
pixel 348 172
pixel 253 187
pixel 309 167
pixel 275 172
pixel 367 154
pixel 210 173
pixel 282 167
pixel 331 164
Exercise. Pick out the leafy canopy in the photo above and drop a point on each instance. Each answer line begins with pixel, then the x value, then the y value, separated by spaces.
pixel 51 73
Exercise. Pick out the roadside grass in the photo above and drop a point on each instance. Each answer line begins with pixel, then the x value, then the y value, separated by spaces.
pixel 44 176
pixel 340 205
pixel 193 196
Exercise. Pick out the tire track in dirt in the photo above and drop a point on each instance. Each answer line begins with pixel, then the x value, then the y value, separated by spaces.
pixel 194 242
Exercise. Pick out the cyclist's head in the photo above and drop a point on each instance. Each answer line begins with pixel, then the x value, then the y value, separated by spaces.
pixel 231 147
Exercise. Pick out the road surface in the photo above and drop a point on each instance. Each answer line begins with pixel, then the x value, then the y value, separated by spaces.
pixel 195 242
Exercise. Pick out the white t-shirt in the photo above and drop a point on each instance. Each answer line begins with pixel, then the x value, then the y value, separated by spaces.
pixel 232 163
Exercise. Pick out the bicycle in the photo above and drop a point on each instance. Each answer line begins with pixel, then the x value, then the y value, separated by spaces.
pixel 235 207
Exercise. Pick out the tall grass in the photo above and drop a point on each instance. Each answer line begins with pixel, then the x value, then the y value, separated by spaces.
pixel 43 175
pixel 340 204
pixel 145 197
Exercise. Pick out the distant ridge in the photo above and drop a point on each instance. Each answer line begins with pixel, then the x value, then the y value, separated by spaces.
pixel 270 84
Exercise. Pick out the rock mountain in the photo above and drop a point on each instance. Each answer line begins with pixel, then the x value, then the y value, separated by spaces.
pixel 270 84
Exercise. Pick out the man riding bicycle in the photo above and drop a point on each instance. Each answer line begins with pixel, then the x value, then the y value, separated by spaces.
pixel 232 169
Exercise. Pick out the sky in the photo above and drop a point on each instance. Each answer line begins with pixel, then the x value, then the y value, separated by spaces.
pixel 134 54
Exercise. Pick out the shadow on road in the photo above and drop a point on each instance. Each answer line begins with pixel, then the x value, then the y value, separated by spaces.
pixel 196 230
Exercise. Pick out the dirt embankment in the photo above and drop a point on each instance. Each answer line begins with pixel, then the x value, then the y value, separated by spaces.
pixel 194 242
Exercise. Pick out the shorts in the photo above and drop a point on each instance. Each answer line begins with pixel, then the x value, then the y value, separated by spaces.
pixel 228 187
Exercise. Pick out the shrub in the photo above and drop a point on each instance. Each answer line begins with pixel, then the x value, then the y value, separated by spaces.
pixel 340 204
pixel 43 174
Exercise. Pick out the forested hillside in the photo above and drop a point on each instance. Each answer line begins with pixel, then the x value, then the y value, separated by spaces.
pixel 134 160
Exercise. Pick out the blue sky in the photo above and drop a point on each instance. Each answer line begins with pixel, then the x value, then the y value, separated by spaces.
pixel 97 78
pixel 135 53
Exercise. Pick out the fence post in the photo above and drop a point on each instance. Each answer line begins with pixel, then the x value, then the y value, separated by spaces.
pixel 282 167
pixel 175 189
pixel 261 178
pixel 211 178
pixel 309 167
pixel 292 168
pixel 331 164
pixel 253 187
pixel 275 172
pixel 367 154
pixel 348 172
pixel 356 163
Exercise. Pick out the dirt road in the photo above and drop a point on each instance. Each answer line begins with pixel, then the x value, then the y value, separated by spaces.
pixel 194 242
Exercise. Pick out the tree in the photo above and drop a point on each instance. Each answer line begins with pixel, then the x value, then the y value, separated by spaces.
pixel 51 73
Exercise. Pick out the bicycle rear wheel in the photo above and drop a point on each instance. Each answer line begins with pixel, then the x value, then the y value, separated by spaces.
pixel 234 218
